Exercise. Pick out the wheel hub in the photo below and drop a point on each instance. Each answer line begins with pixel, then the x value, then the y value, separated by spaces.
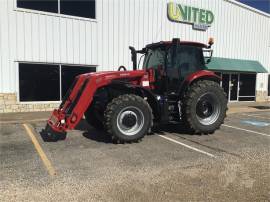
pixel 207 109
pixel 129 120
pixel 204 109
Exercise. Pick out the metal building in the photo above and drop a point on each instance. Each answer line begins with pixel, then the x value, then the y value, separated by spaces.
pixel 44 45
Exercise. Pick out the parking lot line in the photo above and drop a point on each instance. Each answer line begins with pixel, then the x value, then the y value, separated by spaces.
pixel 21 121
pixel 40 151
pixel 256 116
pixel 250 131
pixel 187 146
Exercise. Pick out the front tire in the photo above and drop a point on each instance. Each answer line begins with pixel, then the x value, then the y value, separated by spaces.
pixel 92 117
pixel 128 118
pixel 205 106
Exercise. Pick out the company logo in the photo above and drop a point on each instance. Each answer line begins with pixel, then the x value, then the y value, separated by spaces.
pixel 200 18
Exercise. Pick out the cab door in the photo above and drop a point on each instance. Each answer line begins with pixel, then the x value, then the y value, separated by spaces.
pixel 155 61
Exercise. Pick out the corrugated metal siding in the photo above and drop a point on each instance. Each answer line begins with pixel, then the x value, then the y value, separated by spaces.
pixel 38 37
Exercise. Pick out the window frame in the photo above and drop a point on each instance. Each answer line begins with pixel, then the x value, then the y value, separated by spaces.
pixel 26 10
pixel 60 80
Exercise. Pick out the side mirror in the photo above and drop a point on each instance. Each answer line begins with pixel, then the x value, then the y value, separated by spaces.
pixel 133 51
pixel 207 54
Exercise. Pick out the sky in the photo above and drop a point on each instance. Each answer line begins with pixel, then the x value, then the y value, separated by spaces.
pixel 263 5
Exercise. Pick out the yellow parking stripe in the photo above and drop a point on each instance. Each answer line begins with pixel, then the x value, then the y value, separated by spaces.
pixel 40 151
pixel 22 121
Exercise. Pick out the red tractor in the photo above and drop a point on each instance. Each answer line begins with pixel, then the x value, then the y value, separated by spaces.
pixel 172 87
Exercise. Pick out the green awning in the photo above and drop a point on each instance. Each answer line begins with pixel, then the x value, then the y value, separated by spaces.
pixel 235 65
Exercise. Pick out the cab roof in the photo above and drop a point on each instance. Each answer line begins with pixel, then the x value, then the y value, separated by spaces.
pixel 168 43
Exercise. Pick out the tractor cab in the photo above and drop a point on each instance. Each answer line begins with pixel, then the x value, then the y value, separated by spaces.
pixel 171 62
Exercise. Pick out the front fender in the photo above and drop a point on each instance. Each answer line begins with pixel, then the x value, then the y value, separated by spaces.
pixel 125 87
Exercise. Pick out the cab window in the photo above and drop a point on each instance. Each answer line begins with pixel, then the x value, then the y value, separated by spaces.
pixel 154 59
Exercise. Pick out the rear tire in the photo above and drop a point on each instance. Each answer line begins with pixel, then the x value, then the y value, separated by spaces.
pixel 205 106
pixel 128 118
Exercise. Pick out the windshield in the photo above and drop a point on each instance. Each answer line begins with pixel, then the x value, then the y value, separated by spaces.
pixel 187 60
pixel 187 57
pixel 154 59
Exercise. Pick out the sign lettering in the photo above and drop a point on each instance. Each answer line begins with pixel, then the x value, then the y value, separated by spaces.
pixel 200 18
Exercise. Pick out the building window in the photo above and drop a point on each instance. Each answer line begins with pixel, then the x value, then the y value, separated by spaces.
pixel 47 6
pixel 41 82
pixel 79 8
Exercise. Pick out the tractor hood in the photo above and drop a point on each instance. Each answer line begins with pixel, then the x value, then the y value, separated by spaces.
pixel 108 76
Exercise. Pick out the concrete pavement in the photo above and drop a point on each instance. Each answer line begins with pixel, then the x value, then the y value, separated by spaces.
pixel 89 167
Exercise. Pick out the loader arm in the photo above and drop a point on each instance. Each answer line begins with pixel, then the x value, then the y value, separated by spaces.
pixel 81 94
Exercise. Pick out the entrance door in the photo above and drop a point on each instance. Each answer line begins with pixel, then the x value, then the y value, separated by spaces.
pixel 226 84
pixel 234 87
pixel 247 85
pixel 230 86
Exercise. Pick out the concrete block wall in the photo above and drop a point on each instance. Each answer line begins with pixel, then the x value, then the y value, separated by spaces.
pixel 262 96
pixel 9 103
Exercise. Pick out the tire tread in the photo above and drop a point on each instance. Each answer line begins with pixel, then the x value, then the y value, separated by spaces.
pixel 192 91
pixel 111 107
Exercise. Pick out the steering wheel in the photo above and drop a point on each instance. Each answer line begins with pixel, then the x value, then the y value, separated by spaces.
pixel 122 68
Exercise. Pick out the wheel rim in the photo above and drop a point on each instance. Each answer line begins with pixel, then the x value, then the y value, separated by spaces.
pixel 207 109
pixel 130 120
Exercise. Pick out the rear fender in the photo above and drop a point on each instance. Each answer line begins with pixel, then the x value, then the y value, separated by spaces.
pixel 200 75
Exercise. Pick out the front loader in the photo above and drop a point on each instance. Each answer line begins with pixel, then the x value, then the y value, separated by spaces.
pixel 172 87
